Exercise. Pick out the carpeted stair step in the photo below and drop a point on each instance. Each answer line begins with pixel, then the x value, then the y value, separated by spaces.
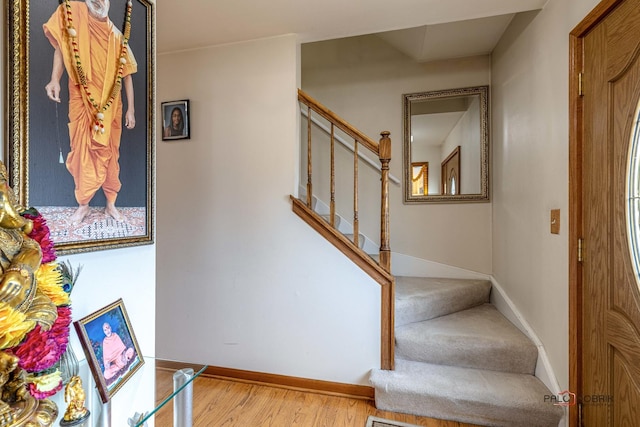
pixel 424 298
pixel 479 337
pixel 466 395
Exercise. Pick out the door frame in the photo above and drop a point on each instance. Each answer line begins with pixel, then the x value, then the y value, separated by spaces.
pixel 576 143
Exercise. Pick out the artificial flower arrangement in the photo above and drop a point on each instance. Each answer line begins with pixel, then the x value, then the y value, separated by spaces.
pixel 38 349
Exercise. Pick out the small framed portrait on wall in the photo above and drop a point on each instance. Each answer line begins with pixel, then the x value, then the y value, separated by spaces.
pixel 175 120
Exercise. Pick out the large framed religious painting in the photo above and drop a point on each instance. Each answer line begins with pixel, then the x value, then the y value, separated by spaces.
pixel 80 138
pixel 110 346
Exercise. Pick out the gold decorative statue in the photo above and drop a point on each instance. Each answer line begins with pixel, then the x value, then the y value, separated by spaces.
pixel 22 307
pixel 8 365
pixel 17 406
pixel 74 397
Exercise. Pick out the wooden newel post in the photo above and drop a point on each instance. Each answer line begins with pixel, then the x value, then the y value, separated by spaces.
pixel 384 153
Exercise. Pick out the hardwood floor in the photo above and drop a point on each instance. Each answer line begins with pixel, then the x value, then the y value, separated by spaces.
pixel 222 402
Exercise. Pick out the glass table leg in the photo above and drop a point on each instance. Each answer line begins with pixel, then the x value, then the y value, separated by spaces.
pixel 183 401
pixel 105 415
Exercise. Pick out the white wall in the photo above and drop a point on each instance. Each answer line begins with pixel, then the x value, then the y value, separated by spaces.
pixel 467 135
pixel 362 79
pixel 106 276
pixel 119 273
pixel 243 282
pixel 530 169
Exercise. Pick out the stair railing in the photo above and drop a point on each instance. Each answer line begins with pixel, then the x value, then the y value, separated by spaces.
pixel 381 149
pixel 380 270
pixel 320 125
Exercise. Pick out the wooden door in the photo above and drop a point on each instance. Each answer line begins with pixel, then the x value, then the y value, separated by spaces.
pixel 605 292
pixel 451 173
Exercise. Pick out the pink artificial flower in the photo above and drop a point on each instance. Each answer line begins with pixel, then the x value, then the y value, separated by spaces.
pixel 38 394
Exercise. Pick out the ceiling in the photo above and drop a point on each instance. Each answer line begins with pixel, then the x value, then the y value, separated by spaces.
pixel 449 40
pixel 433 28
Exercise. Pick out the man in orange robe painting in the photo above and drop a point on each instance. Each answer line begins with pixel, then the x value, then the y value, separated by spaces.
pixel 98 61
pixel 115 354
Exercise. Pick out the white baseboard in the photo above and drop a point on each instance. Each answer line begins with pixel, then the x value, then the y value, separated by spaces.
pixel 407 265
pixel 508 309
pixel 544 371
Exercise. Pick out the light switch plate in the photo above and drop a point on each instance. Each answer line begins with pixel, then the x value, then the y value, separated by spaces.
pixel 555 221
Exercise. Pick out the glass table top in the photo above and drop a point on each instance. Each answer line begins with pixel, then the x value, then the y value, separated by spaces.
pixel 162 401
pixel 139 399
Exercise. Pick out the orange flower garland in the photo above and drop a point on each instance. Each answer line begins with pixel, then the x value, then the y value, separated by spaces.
pixel 98 126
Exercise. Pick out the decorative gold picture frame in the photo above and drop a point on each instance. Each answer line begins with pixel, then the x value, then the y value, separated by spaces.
pixel 436 121
pixel 37 141
pixel 111 348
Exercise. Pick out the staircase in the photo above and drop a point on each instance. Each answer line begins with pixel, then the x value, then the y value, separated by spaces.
pixel 458 358
pixel 455 357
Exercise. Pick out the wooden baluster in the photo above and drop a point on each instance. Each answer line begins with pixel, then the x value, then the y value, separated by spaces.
pixel 309 186
pixel 384 153
pixel 356 227
pixel 332 204
pixel 387 292
pixel 387 321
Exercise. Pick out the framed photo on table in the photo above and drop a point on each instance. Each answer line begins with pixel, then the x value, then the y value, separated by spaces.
pixel 111 348
pixel 80 150
pixel 175 120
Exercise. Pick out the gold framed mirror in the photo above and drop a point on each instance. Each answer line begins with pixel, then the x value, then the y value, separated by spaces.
pixel 449 128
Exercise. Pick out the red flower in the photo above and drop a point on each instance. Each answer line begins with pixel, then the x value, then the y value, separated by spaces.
pixel 40 349
pixel 40 234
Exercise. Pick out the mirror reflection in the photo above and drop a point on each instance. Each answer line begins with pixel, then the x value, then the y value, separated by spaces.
pixel 446 145
pixel 420 178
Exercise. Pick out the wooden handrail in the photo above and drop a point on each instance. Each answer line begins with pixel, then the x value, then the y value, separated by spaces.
pixel 318 124
pixel 380 270
pixel 339 122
